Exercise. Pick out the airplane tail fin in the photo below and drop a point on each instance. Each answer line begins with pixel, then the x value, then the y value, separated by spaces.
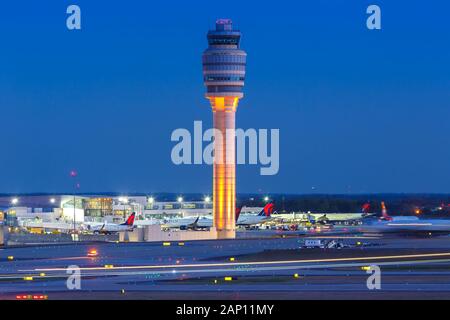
pixel 267 210
pixel 384 212
pixel 366 208
pixel 238 212
pixel 194 224
pixel 130 220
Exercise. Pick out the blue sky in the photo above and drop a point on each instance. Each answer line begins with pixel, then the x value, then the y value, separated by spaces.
pixel 358 110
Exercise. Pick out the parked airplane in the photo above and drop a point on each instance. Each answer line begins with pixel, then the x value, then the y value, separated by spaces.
pixel 252 219
pixel 108 228
pixel 54 226
pixel 332 218
pixel 207 222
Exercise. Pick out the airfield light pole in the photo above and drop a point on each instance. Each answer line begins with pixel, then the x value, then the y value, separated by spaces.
pixel 74 174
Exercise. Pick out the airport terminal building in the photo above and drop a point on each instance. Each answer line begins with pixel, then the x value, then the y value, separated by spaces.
pixel 95 208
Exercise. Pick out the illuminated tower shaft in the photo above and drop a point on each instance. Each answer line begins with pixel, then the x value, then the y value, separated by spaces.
pixel 224 75
pixel 224 172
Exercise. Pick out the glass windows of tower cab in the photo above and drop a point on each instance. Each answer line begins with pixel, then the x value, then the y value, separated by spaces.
pixel 224 57
pixel 223 41
pixel 225 67
pixel 221 78
pixel 212 89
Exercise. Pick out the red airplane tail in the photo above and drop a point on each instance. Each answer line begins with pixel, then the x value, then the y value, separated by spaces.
pixel 366 208
pixel 238 212
pixel 130 220
pixel 384 213
pixel 267 210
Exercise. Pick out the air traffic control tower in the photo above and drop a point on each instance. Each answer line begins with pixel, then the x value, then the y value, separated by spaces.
pixel 224 75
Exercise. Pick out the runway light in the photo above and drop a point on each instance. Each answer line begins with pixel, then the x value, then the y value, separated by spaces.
pixel 42 274
pixel 358 243
pixel 166 244
pixel 181 243
pixel 365 268
pixel 109 266
pixel 28 278
pixel 296 276
pixel 232 259
pixel 10 258
pixel 228 278
pixel 92 253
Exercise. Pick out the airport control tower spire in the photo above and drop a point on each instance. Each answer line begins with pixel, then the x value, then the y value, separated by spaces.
pixel 224 74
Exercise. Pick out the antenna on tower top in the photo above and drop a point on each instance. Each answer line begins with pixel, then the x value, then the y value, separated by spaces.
pixel 224 24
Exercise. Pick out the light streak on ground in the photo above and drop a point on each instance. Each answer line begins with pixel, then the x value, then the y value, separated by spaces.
pixel 230 268
pixel 71 258
pixel 345 237
pixel 174 266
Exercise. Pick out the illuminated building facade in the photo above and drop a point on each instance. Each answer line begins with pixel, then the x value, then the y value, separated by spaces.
pixel 224 74
pixel 99 207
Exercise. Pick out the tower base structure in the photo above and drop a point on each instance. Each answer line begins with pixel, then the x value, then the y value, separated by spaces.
pixel 226 234
pixel 224 175
pixel 3 230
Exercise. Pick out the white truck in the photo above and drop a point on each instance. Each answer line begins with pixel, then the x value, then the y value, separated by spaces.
pixel 313 243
